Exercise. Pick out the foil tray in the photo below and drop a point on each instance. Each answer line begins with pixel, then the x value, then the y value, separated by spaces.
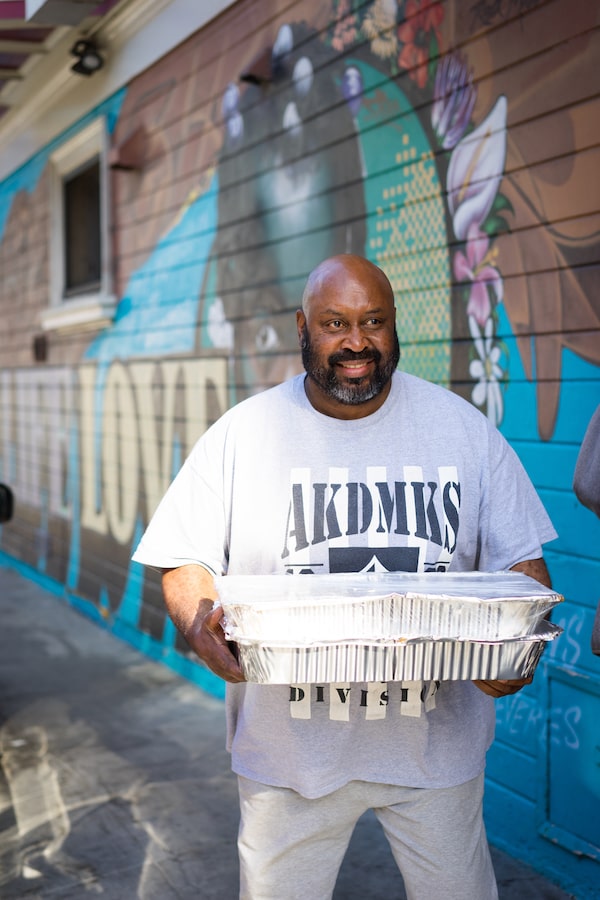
pixel 348 606
pixel 413 659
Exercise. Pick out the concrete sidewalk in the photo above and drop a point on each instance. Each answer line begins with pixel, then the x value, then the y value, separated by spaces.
pixel 114 780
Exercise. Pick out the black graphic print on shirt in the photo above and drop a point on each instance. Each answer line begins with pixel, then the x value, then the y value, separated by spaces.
pixel 383 522
pixel 401 523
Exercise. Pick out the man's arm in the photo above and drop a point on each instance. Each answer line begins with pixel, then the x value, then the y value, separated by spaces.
pixel 189 592
pixel 535 568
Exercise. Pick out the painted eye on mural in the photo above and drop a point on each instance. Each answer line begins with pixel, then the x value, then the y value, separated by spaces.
pixel 266 338
pixel 303 76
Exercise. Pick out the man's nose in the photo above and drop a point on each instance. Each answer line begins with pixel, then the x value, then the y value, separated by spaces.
pixel 355 339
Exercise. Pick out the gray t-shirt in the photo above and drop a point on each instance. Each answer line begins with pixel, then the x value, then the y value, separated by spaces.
pixel 423 484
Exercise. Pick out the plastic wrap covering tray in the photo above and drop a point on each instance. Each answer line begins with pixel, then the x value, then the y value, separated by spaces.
pixel 372 606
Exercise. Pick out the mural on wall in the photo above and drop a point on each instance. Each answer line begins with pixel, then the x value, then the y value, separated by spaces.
pixel 359 129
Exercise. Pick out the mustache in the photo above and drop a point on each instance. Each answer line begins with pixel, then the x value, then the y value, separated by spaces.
pixel 350 356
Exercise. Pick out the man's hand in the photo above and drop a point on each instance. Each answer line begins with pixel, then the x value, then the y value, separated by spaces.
pixel 207 639
pixel 535 568
pixel 502 687
pixel 189 592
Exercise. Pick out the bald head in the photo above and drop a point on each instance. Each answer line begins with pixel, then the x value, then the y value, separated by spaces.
pixel 347 334
pixel 344 268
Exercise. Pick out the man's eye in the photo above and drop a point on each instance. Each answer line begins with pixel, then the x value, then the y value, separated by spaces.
pixel 337 323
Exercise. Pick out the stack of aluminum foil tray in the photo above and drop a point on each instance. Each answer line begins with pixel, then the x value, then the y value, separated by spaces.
pixel 387 626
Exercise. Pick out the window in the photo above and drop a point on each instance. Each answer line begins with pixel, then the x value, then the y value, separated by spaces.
pixel 80 288
pixel 82 245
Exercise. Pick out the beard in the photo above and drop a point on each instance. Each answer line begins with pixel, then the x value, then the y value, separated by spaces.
pixel 353 390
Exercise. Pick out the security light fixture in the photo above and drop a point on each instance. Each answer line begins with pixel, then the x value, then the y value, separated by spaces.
pixel 88 58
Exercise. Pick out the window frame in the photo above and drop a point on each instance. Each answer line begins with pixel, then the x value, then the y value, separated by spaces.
pixel 85 309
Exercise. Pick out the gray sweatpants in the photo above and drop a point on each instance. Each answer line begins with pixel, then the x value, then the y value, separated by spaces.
pixel 292 848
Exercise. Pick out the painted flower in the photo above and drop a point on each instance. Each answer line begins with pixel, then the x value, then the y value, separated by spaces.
pixel 477 266
pixel 284 43
pixel 454 99
pixel 234 124
pixel 303 76
pixel 486 371
pixel 379 27
pixel 415 33
pixel 475 171
pixel 346 30
pixel 352 88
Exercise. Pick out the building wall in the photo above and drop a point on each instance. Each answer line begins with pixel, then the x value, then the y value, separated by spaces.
pixel 456 145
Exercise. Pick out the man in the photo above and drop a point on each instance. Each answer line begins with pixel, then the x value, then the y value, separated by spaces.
pixel 586 485
pixel 350 467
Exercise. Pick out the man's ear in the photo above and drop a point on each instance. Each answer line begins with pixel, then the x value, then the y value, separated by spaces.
pixel 300 325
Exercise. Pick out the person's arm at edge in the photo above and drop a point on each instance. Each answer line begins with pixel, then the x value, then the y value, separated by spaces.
pixel 189 593
pixel 535 568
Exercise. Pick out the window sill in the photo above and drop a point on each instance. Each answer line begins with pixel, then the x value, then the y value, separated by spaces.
pixel 92 311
